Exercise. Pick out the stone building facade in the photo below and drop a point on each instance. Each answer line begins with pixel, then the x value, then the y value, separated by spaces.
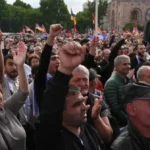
pixel 121 12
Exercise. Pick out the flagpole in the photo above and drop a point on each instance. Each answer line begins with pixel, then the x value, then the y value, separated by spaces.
pixel 96 16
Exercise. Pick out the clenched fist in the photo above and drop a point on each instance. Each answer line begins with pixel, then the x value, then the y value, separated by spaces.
pixel 71 55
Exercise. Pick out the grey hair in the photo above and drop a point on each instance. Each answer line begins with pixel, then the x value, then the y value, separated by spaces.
pixel 81 68
pixel 141 71
pixel 118 59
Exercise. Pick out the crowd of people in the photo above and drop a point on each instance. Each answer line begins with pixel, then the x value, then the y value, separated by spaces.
pixel 74 93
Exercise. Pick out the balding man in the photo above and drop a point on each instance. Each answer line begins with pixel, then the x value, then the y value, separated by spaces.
pixel 105 55
pixel 143 74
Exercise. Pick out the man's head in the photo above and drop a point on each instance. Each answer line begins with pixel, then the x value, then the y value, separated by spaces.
pixel 53 64
pixel 10 67
pixel 106 53
pixel 137 102
pixel 141 50
pixel 75 111
pixel 143 74
pixel 38 50
pixel 122 64
pixel 80 79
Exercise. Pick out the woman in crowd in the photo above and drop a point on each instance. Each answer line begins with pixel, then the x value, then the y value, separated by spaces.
pixel 12 134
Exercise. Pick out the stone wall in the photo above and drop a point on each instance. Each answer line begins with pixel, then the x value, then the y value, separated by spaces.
pixel 119 12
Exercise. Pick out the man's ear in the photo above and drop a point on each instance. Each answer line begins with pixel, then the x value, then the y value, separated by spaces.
pixel 130 108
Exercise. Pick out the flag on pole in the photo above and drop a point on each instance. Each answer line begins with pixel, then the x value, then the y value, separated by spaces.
pixel 93 16
pixel 135 30
pixel 44 29
pixel 37 27
pixel 73 18
pixel 29 30
pixel 99 30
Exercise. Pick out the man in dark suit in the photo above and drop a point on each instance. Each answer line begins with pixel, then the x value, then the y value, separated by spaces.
pixel 139 58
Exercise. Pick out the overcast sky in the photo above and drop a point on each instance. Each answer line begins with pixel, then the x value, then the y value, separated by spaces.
pixel 76 5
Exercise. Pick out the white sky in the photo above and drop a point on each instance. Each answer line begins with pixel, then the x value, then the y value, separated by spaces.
pixel 76 5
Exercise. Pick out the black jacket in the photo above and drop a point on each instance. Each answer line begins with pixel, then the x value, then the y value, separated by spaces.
pixel 147 33
pixel 49 132
pixel 131 139
pixel 108 69
pixel 41 78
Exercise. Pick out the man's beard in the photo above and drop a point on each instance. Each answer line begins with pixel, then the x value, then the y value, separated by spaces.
pixel 13 74
pixel 140 54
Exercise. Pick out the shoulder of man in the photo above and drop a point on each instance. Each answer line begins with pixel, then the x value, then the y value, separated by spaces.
pixel 123 142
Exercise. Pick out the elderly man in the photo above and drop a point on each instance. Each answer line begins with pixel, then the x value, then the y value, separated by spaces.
pixel 137 134
pixel 80 79
pixel 143 74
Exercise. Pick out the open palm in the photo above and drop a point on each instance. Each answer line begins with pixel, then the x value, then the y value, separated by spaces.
pixel 20 55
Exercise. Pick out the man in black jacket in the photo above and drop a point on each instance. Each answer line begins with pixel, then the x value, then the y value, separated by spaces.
pixel 137 103
pixel 55 110
pixel 139 58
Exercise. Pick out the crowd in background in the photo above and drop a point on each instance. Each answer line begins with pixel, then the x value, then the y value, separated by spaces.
pixel 74 93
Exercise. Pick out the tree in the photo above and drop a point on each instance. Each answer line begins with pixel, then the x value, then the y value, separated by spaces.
pixel 54 11
pixel 84 18
pixel 22 4
pixel 102 9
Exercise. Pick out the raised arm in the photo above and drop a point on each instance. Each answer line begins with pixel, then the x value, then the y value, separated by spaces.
pixel 17 100
pixel 40 78
pixel 1 61
pixel 49 129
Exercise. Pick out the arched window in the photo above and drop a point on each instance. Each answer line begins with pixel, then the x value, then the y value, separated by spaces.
pixel 134 15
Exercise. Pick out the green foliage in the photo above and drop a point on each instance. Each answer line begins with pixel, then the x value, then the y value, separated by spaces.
pixel 14 17
pixel 131 25
pixel 86 15
pixel 21 4
pixel 55 11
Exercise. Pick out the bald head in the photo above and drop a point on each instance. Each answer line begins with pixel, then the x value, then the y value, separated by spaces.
pixel 143 74
pixel 106 53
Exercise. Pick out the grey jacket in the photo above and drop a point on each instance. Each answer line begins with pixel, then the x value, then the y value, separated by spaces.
pixel 10 125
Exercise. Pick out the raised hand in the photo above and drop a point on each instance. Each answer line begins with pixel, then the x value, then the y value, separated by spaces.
pixel 94 43
pixel 71 55
pixel 20 55
pixel 96 108
pixel 54 30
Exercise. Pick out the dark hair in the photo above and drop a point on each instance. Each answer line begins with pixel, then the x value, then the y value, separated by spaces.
pixel 9 56
pixel 73 91
pixel 34 56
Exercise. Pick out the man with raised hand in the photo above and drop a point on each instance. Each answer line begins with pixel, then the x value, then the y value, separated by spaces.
pixel 55 129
